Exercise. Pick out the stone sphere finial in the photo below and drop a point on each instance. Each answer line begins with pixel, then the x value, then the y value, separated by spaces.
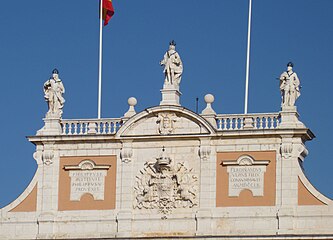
pixel 132 101
pixel 209 98
pixel 131 111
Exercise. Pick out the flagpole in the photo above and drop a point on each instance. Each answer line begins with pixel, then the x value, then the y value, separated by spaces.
pixel 100 59
pixel 248 57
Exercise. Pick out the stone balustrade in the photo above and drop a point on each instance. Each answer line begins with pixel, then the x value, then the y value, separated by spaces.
pixel 225 122
pixel 90 126
pixel 229 122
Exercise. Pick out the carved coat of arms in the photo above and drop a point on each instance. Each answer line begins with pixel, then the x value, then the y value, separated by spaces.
pixel 165 186
pixel 166 123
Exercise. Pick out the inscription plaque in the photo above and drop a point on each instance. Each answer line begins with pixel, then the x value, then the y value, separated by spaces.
pixel 87 181
pixel 245 173
pixel 87 177
pixel 246 177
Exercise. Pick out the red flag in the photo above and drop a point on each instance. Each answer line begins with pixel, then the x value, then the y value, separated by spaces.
pixel 108 11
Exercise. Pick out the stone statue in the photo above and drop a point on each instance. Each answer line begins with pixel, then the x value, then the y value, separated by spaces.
pixel 54 89
pixel 289 86
pixel 173 66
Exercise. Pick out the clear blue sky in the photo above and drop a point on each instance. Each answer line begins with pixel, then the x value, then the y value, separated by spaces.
pixel 38 35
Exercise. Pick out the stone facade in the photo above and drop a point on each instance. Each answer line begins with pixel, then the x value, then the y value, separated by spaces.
pixel 169 172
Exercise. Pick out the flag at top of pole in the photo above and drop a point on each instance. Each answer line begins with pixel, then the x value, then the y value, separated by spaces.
pixel 108 11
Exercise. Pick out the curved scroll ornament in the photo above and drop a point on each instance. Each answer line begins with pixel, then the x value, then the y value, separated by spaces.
pixel 165 186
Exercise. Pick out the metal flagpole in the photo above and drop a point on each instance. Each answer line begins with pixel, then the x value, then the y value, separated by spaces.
pixel 248 57
pixel 100 59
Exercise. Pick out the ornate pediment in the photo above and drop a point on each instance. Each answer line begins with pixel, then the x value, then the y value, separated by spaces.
pixel 165 121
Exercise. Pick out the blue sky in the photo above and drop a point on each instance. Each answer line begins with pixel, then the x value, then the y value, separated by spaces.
pixel 211 39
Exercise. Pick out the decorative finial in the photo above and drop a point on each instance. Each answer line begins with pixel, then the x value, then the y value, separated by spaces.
pixel 55 71
pixel 131 111
pixel 290 64
pixel 209 99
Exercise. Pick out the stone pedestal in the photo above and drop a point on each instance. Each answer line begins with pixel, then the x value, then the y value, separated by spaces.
pixel 289 118
pixel 52 127
pixel 170 95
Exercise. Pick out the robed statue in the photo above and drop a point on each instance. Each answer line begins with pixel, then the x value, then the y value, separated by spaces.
pixel 173 66
pixel 289 86
pixel 54 90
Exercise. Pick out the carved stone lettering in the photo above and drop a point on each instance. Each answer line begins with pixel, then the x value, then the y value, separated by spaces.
pixel 246 177
pixel 245 173
pixel 89 178
pixel 87 181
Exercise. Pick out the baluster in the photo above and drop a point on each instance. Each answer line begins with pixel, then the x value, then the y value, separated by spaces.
pixel 63 125
pixel 114 128
pixel 261 122
pixel 75 128
pixel 79 128
pixel 267 122
pixel 111 127
pixel 117 127
pixel 273 123
pixel 220 124
pixel 107 128
pixel 227 120
pixel 86 128
pixel 69 128
pixel 241 126
pixel 103 125
pixel 224 124
pixel 98 127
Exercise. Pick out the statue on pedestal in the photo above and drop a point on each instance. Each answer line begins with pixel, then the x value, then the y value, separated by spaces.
pixel 289 86
pixel 54 89
pixel 173 66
